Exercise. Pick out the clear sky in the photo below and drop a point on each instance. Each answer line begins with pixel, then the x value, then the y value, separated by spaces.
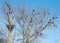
pixel 53 5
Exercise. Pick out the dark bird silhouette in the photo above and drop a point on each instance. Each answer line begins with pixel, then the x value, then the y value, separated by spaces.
pixel 10 27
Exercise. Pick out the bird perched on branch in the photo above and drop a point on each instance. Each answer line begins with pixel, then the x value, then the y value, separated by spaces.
pixel 10 27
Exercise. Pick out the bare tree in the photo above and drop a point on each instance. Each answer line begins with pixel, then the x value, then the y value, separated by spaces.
pixel 31 23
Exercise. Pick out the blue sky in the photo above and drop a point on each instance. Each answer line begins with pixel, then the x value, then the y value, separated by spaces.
pixel 53 5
